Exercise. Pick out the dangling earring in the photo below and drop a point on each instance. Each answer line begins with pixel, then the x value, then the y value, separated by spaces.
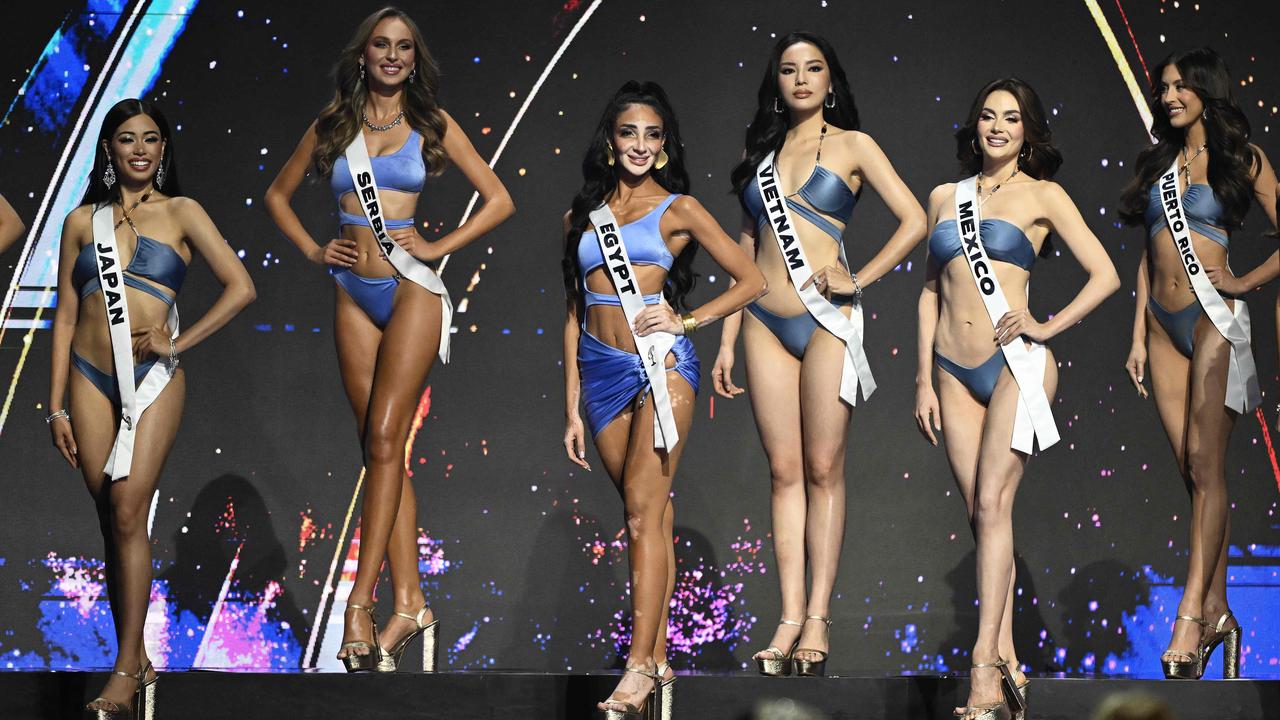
pixel 362 73
pixel 160 174
pixel 609 157
pixel 109 177
pixel 775 106
pixel 413 73
pixel 1204 114
pixel 830 102
pixel 662 160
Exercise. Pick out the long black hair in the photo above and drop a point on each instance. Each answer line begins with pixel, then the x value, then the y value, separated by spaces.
pixel 118 114
pixel 1232 161
pixel 1038 158
pixel 769 127
pixel 599 180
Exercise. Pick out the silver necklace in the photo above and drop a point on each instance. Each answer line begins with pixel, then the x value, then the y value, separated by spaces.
pixel 1186 163
pixel 381 128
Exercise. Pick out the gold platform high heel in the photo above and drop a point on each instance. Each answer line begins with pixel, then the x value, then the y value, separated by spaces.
pixel 390 659
pixel 1191 668
pixel 781 663
pixel 666 692
pixel 355 662
pixel 1022 693
pixel 1003 710
pixel 647 710
pixel 1230 641
pixel 812 668
pixel 144 700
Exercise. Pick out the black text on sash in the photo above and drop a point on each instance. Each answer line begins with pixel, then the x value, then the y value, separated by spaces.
pixel 1169 195
pixel 976 254
pixel 774 202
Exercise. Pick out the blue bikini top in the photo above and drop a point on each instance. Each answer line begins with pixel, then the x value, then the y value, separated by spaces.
pixel 824 191
pixel 402 170
pixel 152 260
pixel 1004 242
pixel 1204 212
pixel 645 246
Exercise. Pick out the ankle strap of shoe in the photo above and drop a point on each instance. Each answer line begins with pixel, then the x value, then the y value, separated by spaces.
pixel 1222 621
pixel 644 672
pixel 824 619
pixel 996 664
pixel 785 621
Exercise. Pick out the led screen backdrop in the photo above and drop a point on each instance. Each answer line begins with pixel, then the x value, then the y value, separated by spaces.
pixel 522 555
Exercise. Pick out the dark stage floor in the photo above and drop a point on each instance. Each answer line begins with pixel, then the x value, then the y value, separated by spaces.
pixel 454 695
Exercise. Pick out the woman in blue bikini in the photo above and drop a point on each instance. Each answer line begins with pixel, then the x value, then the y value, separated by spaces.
pixel 387 326
pixel 806 117
pixel 134 187
pixel 1006 143
pixel 1204 138
pixel 634 170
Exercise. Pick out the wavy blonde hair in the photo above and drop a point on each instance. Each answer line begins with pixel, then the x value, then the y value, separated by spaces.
pixel 340 120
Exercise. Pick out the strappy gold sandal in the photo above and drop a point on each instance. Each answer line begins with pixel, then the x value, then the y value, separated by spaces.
pixel 1007 709
pixel 1230 641
pixel 390 659
pixel 647 709
pixel 781 663
pixel 357 662
pixel 1191 668
pixel 666 692
pixel 144 700
pixel 812 668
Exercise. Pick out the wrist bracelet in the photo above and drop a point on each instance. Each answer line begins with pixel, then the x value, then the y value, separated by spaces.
pixel 60 414
pixel 690 323
pixel 173 355
pixel 857 286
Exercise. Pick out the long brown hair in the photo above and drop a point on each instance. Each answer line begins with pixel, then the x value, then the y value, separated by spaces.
pixel 1233 163
pixel 340 120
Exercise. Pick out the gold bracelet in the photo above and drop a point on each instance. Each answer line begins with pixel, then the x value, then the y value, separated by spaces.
pixel 690 323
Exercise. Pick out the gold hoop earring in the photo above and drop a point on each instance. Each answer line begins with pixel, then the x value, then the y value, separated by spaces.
pixel 609 155
pixel 973 143
pixel 662 160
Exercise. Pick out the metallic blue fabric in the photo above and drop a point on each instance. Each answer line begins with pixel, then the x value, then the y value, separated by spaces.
pixel 1180 325
pixel 375 296
pixel 980 380
pixel 613 378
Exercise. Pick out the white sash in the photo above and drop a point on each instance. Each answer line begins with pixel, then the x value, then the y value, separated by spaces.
pixel 406 265
pixel 1035 417
pixel 848 329
pixel 133 403
pixel 652 348
pixel 1243 393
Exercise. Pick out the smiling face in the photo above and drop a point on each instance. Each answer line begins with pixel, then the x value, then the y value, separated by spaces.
pixel 1000 129
pixel 1182 104
pixel 803 77
pixel 637 139
pixel 135 149
pixel 389 55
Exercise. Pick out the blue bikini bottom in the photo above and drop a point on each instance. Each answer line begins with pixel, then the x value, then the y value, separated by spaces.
pixel 980 380
pixel 375 296
pixel 613 378
pixel 1180 325
pixel 106 382
pixel 793 332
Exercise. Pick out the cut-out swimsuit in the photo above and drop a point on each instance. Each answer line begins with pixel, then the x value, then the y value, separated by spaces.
pixel 613 378
pixel 1204 216
pixel 403 171
pixel 1004 242
pixel 827 195
pixel 152 260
